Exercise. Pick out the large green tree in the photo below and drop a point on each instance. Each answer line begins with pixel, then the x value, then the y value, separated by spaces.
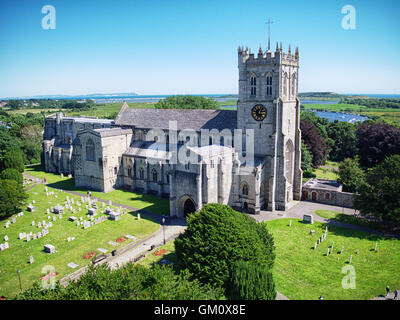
pixel 13 158
pixel 379 197
pixel 187 102
pixel 306 162
pixel 11 174
pixel 11 197
pixel 216 237
pixel 344 140
pixel 351 175
pixel 130 282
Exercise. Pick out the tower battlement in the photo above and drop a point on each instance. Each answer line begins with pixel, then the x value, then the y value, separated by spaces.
pixel 245 56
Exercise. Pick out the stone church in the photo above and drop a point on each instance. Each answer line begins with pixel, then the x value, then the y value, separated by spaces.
pixel 249 158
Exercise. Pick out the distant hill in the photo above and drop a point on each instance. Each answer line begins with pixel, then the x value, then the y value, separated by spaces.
pixel 321 95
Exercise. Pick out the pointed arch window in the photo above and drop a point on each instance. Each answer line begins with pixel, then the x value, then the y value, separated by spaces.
pixel 90 151
pixel 289 161
pixel 245 189
pixel 269 85
pixel 253 85
pixel 141 173
pixel 293 85
pixel 285 84
pixel 155 175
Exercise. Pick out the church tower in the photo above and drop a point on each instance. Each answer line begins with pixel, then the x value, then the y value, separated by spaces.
pixel 269 105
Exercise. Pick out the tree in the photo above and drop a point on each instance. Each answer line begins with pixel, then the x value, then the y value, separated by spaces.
pixel 11 197
pixel 376 141
pixel 379 197
pixel 306 162
pixel 216 237
pixel 12 174
pixel 251 281
pixel 344 140
pixel 130 282
pixel 186 102
pixel 351 175
pixel 316 144
pixel 13 159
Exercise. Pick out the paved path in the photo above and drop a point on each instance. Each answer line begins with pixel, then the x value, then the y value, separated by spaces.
pixel 171 232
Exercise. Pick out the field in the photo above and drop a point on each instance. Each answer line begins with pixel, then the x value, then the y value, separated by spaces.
pixel 136 200
pixel 86 240
pixel 304 273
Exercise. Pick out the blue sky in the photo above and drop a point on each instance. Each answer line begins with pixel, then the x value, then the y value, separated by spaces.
pixel 168 46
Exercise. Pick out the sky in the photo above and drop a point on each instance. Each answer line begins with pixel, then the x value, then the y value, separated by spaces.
pixel 190 46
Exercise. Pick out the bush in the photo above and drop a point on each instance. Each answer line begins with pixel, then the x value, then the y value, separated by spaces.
pixel 216 237
pixel 250 281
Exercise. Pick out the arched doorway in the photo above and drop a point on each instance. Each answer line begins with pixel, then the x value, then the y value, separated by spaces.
pixel 188 207
pixel 314 196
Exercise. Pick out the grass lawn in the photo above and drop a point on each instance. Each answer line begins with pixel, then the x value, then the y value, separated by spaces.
pixel 345 218
pixel 169 255
pixel 304 273
pixel 86 240
pixel 326 173
pixel 136 200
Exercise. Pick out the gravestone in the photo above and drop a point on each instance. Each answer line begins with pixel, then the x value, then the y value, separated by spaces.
pixel 72 218
pixel 138 216
pixel 5 238
pixel 115 216
pixel 351 256
pixel 33 223
pixel 31 259
pixel 72 265
pixel 48 248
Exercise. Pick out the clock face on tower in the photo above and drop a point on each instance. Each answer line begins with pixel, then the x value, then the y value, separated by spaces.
pixel 259 112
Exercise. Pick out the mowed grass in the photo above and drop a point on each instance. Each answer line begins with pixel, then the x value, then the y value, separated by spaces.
pixel 86 240
pixel 136 200
pixel 346 218
pixel 326 173
pixel 169 255
pixel 304 273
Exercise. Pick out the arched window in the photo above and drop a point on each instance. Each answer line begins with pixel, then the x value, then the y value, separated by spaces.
pixel 269 85
pixel 155 175
pixel 285 84
pixel 245 189
pixel 253 85
pixel 139 135
pixel 90 150
pixel 141 173
pixel 289 161
pixel 327 196
pixel 293 86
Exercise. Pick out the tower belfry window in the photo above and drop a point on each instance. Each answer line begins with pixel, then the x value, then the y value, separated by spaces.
pixel 253 85
pixel 269 85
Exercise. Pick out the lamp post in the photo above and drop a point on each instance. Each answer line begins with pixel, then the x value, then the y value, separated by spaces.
pixel 19 278
pixel 163 222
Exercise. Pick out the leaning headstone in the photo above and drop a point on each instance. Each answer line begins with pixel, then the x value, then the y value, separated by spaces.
pixel 376 245
pixel 327 253
pixel 351 256
pixel 308 219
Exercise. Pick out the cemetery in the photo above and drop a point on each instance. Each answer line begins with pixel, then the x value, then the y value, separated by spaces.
pixel 60 231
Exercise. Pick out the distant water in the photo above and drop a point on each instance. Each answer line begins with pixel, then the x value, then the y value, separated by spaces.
pixel 152 98
pixel 347 117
